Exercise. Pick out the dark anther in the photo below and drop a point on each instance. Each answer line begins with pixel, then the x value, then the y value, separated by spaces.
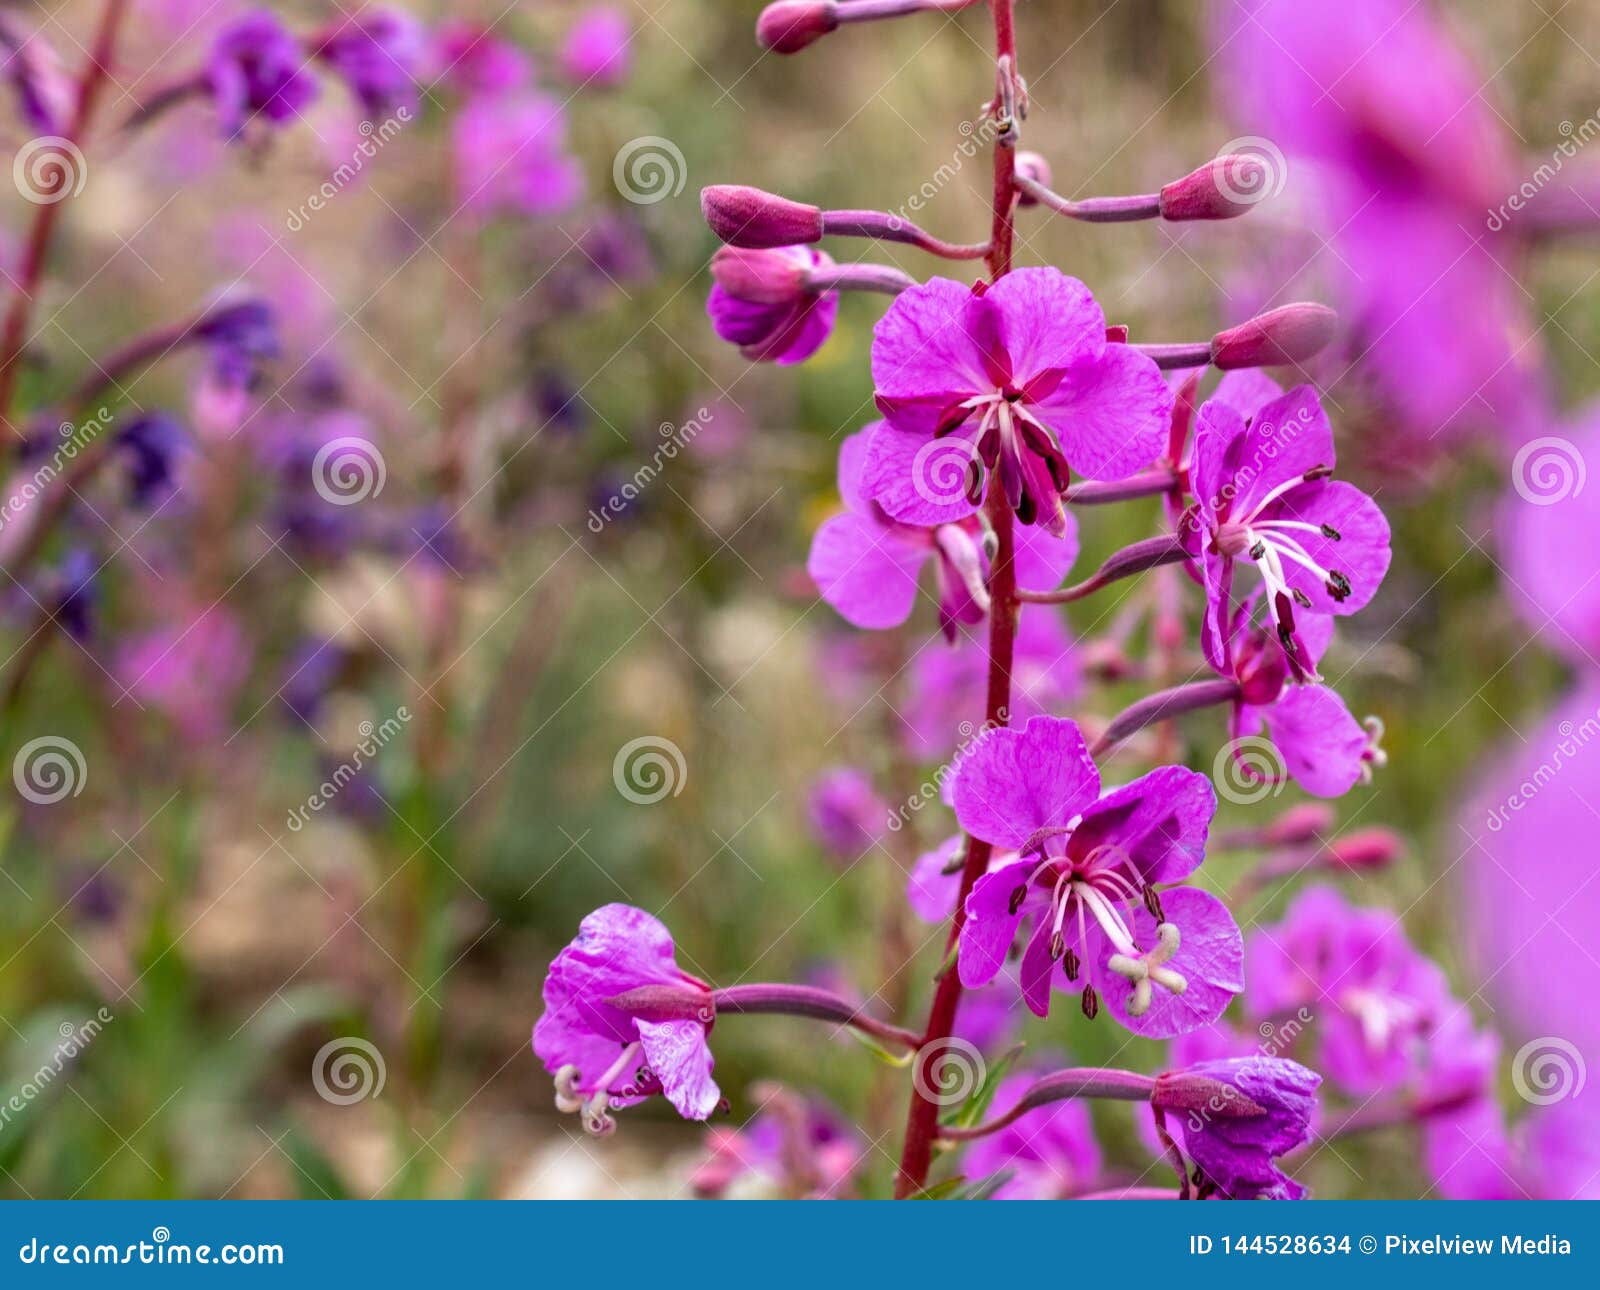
pixel 1027 508
pixel 1018 895
pixel 1152 902
pixel 1058 946
pixel 1318 472
pixel 1338 585
pixel 1301 599
pixel 1091 1002
pixel 974 482
pixel 1258 550
pixel 1328 531
pixel 1070 964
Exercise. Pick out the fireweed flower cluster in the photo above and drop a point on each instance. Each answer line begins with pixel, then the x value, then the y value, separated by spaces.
pixel 1010 404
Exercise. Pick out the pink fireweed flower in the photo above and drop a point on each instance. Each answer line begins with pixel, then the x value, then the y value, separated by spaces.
pixel 1378 1002
pixel 1323 748
pixel 1234 1137
pixel 1089 863
pixel 190 670
pixel 760 302
pixel 1410 169
pixel 1017 378
pixel 1547 516
pixel 866 565
pixel 596 50
pixel 1263 495
pixel 623 1022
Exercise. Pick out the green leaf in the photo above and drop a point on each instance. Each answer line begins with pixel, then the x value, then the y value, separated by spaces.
pixel 973 1109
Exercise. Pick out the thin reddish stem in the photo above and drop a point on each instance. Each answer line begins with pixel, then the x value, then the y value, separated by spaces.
pixel 922 1120
pixel 14 335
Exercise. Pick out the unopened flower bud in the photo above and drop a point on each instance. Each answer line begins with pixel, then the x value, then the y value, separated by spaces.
pixel 748 217
pixel 1289 334
pixel 1221 189
pixel 1030 165
pixel 1373 848
pixel 767 276
pixel 1306 822
pixel 790 25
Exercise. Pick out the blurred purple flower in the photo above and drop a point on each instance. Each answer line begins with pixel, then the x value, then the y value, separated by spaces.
pixel 471 60
pixel 191 670
pixel 596 50
pixel 948 686
pixel 847 816
pixel 511 158
pixel 801 1147
pixel 44 92
pixel 1409 159
pixel 379 55
pixel 309 674
pixel 1050 1151
pixel 258 69
pixel 151 446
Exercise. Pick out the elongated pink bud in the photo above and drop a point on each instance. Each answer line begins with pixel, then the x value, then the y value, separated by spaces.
pixel 749 217
pixel 1306 822
pixel 790 25
pixel 1221 189
pixel 763 277
pixel 1290 334
pixel 1373 848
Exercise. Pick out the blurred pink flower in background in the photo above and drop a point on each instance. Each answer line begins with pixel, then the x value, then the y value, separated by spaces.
pixel 596 51
pixel 190 669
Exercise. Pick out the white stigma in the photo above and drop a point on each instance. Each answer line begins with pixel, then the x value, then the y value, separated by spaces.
pixel 1143 969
